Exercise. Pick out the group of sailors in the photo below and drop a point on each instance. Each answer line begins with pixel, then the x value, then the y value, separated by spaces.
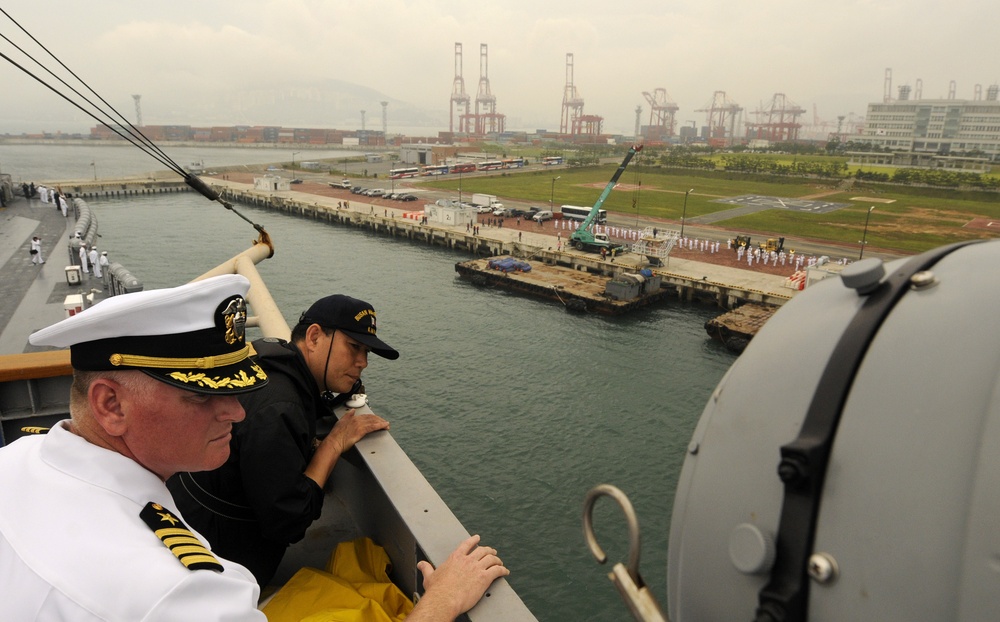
pixel 47 195
pixel 756 256
pixel 91 258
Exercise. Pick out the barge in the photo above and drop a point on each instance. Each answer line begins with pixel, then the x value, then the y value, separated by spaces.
pixel 577 290
pixel 737 327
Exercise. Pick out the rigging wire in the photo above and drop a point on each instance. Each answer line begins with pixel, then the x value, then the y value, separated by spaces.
pixel 123 128
pixel 637 186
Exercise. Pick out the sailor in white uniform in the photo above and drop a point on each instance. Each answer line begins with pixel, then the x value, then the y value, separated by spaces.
pixel 87 526
pixel 103 263
pixel 95 262
pixel 84 259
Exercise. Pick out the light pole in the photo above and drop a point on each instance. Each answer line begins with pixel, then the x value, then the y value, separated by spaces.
pixel 552 193
pixel 684 213
pixel 864 238
pixel 94 164
pixel 460 188
pixel 294 153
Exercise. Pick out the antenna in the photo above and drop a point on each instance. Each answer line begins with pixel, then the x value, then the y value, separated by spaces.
pixel 138 110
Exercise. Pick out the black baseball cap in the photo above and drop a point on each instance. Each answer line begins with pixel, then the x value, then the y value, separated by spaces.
pixel 355 318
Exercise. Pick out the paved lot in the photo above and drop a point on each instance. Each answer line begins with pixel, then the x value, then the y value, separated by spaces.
pixel 750 203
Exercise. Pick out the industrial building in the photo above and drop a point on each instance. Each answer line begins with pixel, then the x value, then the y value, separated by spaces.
pixel 943 128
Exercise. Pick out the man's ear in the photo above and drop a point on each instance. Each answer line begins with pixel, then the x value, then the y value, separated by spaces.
pixel 106 405
pixel 314 334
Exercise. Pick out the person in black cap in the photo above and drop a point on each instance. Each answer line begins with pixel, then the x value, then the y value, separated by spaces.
pixel 271 489
pixel 88 529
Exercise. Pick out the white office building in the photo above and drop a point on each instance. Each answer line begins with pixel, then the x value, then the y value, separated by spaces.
pixel 939 127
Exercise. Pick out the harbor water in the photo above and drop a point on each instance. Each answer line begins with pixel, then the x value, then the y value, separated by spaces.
pixel 512 407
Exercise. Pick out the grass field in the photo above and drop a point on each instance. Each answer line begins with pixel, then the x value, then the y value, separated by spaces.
pixel 905 219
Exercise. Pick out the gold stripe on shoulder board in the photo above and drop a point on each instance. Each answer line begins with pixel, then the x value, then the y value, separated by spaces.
pixel 178 538
pixel 34 429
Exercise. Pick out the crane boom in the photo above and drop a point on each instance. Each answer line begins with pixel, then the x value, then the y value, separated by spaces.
pixel 583 238
pixel 634 149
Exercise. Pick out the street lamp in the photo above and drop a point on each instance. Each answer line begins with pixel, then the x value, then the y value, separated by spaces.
pixel 552 193
pixel 864 238
pixel 460 188
pixel 684 213
pixel 294 153
pixel 94 164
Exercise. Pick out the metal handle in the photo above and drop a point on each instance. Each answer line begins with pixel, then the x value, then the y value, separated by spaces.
pixel 630 585
pixel 634 539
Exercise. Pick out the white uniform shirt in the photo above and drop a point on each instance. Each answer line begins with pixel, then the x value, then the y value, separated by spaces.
pixel 72 545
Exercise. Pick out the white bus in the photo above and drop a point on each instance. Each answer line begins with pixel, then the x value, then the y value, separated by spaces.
pixel 551 160
pixel 490 165
pixel 436 169
pixel 575 212
pixel 399 173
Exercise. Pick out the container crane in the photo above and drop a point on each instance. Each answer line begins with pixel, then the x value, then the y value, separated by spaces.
pixel 583 239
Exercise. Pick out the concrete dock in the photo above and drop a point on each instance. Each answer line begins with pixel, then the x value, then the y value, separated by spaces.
pixel 726 286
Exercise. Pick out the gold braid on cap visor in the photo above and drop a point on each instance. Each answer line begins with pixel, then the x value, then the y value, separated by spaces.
pixel 204 362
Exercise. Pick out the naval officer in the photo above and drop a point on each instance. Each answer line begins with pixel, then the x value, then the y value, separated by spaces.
pixel 88 530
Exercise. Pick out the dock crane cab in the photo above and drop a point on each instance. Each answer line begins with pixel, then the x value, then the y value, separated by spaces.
pixel 583 239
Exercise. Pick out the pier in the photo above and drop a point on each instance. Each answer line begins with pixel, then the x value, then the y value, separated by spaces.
pixel 689 280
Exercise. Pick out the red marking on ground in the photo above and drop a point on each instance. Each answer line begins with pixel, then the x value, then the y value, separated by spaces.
pixel 617 186
pixel 984 223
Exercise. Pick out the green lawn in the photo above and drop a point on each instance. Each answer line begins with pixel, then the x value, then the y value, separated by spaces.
pixel 916 219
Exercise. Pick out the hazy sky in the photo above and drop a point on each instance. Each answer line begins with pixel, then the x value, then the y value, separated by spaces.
pixel 831 55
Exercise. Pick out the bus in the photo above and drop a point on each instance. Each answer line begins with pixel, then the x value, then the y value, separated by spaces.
pixel 513 163
pixel 490 165
pixel 399 173
pixel 464 167
pixel 437 169
pixel 575 212
pixel 550 160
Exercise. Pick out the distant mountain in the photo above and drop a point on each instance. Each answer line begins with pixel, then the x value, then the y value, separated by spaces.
pixel 328 103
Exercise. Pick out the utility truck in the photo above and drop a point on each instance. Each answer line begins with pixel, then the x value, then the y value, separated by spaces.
pixel 583 239
pixel 486 200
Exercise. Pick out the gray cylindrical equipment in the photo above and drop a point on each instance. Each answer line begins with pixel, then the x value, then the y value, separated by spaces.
pixel 908 520
pixel 122 281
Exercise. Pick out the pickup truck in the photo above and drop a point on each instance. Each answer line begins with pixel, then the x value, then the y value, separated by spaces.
pixel 345 184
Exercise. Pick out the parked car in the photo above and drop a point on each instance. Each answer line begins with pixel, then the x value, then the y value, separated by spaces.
pixel 542 216
pixel 407 197
pixel 374 192
pixel 484 209
pixel 357 190
pixel 530 212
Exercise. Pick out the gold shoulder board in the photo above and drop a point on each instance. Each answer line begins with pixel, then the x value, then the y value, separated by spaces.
pixel 178 538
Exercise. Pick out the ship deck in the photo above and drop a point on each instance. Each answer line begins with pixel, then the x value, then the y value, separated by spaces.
pixel 34 295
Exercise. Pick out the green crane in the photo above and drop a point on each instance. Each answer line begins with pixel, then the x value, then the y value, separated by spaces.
pixel 584 239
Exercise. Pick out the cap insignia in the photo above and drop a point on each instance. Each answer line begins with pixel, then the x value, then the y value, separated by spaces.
pixel 178 538
pixel 235 316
